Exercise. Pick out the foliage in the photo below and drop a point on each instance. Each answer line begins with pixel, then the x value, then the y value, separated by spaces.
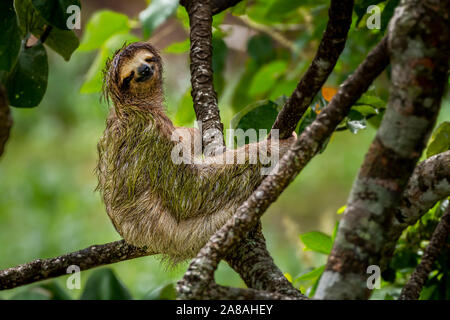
pixel 55 191
pixel 23 66
pixel 407 256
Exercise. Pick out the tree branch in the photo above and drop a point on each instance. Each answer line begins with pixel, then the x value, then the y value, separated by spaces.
pixel 256 267
pixel 203 94
pixel 5 119
pixel 217 5
pixel 200 273
pixel 330 48
pixel 218 292
pixel 429 183
pixel 91 257
pixel 412 289
pixel 250 259
pixel 419 74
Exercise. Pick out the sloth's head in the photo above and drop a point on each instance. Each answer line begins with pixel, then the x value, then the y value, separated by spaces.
pixel 134 75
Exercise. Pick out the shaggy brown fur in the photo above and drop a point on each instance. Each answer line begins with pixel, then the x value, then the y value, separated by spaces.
pixel 171 208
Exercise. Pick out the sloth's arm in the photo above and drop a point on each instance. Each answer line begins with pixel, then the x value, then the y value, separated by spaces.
pixel 221 182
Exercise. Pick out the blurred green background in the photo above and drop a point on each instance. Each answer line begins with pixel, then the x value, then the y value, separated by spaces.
pixel 48 206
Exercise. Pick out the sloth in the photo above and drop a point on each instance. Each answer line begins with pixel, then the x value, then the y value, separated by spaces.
pixel 170 207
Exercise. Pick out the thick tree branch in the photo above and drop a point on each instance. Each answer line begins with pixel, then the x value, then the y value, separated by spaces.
pixel 218 292
pixel 429 183
pixel 412 289
pixel 91 257
pixel 5 120
pixel 200 273
pixel 203 94
pixel 330 48
pixel 419 48
pixel 257 268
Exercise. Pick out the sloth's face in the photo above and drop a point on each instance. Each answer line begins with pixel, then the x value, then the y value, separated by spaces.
pixel 140 73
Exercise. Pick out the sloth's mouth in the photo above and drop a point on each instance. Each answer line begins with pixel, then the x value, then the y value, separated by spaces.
pixel 143 78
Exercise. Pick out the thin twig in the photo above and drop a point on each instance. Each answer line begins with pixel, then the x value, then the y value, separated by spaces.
pixel 330 48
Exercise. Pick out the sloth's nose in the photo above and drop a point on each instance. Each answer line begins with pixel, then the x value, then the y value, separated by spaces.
pixel 144 70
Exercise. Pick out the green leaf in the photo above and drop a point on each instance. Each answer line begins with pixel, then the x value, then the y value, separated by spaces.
pixel 387 13
pixel 370 100
pixel 64 42
pixel 260 48
pixel 428 292
pixel 311 275
pixel 239 9
pixel 308 118
pixel 165 292
pixel 361 6
pixel 33 293
pixel 185 112
pixel 178 47
pixel 280 8
pixel 9 35
pixel 94 77
pixel 341 210
pixel 218 19
pixel 266 77
pixel 288 276
pixel 283 88
pixel 440 140
pixel 27 83
pixel 155 14
pixel 104 285
pixel 317 241
pixel 387 296
pixel 355 121
pixel 55 11
pixel 183 17
pixel 101 27
pixel 258 115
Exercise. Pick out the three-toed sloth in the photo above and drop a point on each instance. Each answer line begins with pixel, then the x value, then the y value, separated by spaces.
pixel 171 207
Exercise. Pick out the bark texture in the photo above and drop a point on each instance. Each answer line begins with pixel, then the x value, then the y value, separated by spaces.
pixel 200 273
pixel 330 48
pixel 91 257
pixel 429 183
pixel 419 51
pixel 203 94
pixel 257 268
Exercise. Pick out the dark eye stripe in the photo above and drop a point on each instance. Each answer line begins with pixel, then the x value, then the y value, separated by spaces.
pixel 152 59
pixel 129 78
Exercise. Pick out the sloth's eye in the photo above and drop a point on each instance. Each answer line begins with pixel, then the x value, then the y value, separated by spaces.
pixel 152 59
pixel 129 78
